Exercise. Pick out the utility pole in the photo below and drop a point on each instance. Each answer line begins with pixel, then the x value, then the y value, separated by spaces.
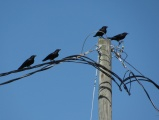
pixel 105 83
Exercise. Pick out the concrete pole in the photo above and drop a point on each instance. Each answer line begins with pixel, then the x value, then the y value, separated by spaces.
pixel 105 83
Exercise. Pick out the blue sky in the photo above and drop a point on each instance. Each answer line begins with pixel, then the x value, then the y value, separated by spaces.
pixel 65 91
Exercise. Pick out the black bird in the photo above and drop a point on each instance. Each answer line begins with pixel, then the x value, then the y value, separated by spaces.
pixel 52 56
pixel 28 62
pixel 101 31
pixel 118 37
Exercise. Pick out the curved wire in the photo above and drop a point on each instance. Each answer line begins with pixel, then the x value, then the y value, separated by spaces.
pixel 28 68
pixel 129 79
pixel 145 92
pixel 133 67
pixel 26 75
pixel 72 58
pixel 94 88
pixel 140 78
pixel 86 40
pixel 135 77
pixel 82 59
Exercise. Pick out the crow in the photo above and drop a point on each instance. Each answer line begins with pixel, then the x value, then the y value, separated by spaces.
pixel 101 31
pixel 52 56
pixel 118 37
pixel 28 62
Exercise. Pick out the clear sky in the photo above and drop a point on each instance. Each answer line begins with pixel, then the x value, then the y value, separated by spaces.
pixel 39 27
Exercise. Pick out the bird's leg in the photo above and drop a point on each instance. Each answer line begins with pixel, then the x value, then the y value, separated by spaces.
pixel 29 66
pixel 51 60
pixel 106 37
pixel 120 43
pixel 102 37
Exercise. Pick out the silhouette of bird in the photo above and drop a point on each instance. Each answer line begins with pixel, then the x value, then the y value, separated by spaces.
pixel 52 56
pixel 118 37
pixel 101 31
pixel 28 62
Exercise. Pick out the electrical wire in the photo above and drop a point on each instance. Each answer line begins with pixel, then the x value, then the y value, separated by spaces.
pixel 73 58
pixel 94 88
pixel 145 92
pixel 86 40
pixel 136 77
pixel 83 59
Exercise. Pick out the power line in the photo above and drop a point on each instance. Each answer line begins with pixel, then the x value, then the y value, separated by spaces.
pixel 134 78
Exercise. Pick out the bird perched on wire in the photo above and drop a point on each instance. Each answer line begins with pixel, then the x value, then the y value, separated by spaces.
pixel 53 55
pixel 101 31
pixel 28 62
pixel 118 37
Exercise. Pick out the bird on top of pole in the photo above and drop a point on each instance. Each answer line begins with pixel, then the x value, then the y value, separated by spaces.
pixel 118 37
pixel 27 62
pixel 101 31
